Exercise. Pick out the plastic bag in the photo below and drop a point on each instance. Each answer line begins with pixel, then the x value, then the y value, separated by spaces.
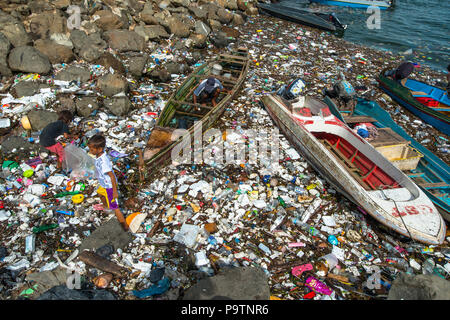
pixel 82 165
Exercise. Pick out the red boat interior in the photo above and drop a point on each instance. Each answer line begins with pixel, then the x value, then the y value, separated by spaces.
pixel 358 165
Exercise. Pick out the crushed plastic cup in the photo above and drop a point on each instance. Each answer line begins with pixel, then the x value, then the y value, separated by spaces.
pixel 330 260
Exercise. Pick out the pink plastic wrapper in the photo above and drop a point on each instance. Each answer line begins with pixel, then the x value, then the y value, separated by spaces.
pixel 318 286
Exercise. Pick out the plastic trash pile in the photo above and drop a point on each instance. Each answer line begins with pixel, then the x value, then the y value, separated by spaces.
pixel 200 219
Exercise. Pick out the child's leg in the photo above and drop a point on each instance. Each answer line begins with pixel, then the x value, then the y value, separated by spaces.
pixel 115 207
pixel 121 219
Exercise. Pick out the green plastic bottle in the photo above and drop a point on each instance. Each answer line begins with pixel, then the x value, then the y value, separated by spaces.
pixel 45 227
pixel 282 203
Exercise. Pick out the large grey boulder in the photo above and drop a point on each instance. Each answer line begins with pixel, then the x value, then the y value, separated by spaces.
pixel 108 60
pixel 112 84
pixel 108 20
pixel 88 47
pixel 247 283
pixel 109 233
pixel 14 30
pixel 39 119
pixel 74 73
pixel 5 46
pixel 29 59
pixel 118 106
pixel 56 53
pixel 136 65
pixel 43 25
pixel 152 32
pixel 178 28
pixel 27 88
pixel 419 287
pixel 198 12
pixel 62 292
pixel 86 105
pixel 125 40
pixel 224 16
pixel 146 15
pixel 202 28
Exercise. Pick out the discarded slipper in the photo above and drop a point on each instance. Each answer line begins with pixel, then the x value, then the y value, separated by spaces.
pixel 297 271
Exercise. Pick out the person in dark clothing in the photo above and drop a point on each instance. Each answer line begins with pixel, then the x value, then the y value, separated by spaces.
pixel 401 75
pixel 53 130
pixel 402 72
pixel 208 91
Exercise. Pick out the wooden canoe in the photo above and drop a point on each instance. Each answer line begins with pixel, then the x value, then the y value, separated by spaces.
pixel 363 4
pixel 432 174
pixel 181 112
pixel 354 168
pixel 324 21
pixel 437 117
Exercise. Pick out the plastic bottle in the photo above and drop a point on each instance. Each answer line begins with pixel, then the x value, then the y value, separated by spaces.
pixel 212 240
pixel 388 246
pixel 265 249
pixel 224 194
pixel 45 227
pixel 281 201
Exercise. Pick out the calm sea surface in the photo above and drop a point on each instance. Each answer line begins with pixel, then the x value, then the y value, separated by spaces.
pixel 418 28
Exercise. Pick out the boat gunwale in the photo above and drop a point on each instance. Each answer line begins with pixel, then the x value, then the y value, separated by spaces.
pixel 157 159
pixel 408 98
pixel 355 187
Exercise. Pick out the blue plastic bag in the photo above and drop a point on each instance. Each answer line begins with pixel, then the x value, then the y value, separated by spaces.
pixel 159 288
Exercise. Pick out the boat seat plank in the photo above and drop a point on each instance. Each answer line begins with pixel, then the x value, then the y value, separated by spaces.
pixel 357 119
pixel 229 56
pixel 434 185
pixel 222 79
pixel 342 157
pixel 387 137
pixel 190 114
pixel 198 105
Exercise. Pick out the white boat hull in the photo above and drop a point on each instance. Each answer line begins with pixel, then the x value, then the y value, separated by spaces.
pixel 407 210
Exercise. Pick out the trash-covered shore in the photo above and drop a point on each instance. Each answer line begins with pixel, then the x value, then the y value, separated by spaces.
pixel 198 220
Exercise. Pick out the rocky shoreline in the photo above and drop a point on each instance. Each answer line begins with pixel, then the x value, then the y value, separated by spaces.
pixel 114 72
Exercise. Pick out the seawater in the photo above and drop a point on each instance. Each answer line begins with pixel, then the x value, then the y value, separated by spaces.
pixel 418 26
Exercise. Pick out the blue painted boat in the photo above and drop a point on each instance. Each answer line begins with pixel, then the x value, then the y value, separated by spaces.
pixel 428 91
pixel 361 4
pixel 438 117
pixel 432 174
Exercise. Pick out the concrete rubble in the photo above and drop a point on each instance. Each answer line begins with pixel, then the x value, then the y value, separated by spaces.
pixel 284 228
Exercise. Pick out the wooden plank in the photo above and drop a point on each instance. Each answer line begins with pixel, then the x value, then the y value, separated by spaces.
pixel 340 154
pixel 190 114
pixel 434 185
pixel 356 119
pixel 241 58
pixel 191 104
pixel 93 259
pixel 222 79
pixel 387 137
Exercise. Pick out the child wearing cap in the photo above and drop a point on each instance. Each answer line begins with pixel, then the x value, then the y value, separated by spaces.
pixel 108 182
pixel 52 131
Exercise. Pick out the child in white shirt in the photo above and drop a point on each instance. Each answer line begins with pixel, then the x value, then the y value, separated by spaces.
pixel 106 177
